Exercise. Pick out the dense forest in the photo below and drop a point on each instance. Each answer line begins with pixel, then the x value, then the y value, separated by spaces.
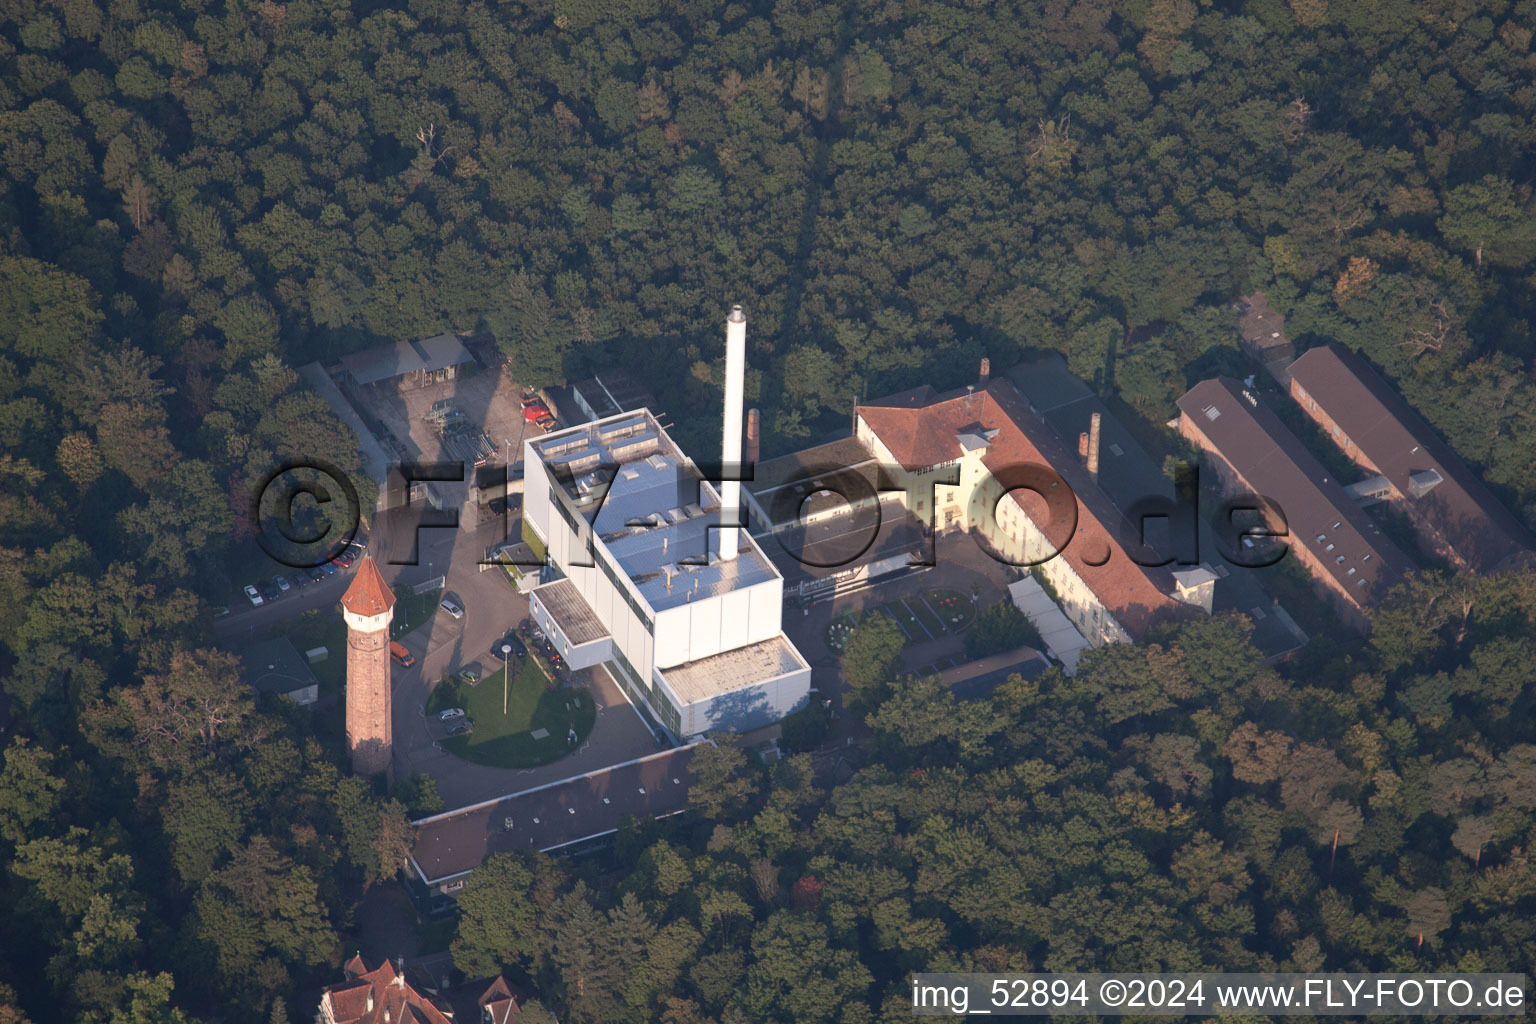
pixel 198 198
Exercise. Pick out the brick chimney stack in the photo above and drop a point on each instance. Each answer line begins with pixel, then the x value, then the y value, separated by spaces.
pixel 1093 446
pixel 754 436
pixel 368 606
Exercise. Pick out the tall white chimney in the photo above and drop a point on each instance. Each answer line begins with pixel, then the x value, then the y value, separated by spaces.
pixel 730 443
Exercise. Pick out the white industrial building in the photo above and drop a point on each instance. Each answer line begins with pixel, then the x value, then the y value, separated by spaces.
pixel 685 611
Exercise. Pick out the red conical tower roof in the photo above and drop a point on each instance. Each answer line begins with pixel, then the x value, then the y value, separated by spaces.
pixel 368 595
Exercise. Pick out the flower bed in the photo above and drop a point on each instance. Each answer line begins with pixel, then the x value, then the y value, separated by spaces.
pixel 839 632
pixel 954 609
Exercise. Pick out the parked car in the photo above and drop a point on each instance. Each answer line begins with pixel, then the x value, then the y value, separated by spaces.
pixel 268 591
pixel 280 582
pixel 316 574
pixel 469 676
pixel 398 652
pixel 298 579
pixel 516 643
pixel 343 560
pixel 329 568
pixel 451 714
pixel 462 728
pixel 252 594
pixel 452 608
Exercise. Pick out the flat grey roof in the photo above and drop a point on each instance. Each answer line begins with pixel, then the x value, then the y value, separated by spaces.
pixel 568 811
pixel 386 361
pixel 843 454
pixel 575 617
pixel 274 666
pixel 733 670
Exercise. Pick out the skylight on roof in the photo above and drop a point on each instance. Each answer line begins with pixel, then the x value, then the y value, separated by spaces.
pixel 1212 412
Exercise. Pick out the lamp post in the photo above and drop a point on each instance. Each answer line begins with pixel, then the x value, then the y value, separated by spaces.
pixel 506 669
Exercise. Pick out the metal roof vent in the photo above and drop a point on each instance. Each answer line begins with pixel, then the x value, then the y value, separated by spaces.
pixel 1424 481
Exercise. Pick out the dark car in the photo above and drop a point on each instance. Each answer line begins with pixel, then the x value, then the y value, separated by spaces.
pixel 268 591
pixel 316 574
pixel 463 728
pixel 298 579
pixel 328 568
pixel 518 647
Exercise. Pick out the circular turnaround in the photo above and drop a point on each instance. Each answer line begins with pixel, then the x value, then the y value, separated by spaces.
pixel 535 728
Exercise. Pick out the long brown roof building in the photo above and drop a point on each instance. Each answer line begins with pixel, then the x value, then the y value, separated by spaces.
pixel 1252 450
pixel 1455 513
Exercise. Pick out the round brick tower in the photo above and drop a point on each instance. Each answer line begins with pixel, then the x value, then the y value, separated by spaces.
pixel 368 607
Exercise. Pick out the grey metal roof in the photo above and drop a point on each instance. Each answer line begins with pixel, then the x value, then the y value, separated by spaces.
pixel 571 612
pixel 386 361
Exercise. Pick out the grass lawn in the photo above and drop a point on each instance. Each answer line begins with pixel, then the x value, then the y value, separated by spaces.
pixel 905 619
pixel 926 616
pixel 504 740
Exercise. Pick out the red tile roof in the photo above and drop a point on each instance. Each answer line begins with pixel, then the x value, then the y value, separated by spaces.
pixel 921 428
pixel 368 594
pixel 379 996
pixel 497 1003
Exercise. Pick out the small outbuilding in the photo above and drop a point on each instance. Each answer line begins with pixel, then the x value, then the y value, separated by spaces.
pixel 275 667
pixel 410 364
